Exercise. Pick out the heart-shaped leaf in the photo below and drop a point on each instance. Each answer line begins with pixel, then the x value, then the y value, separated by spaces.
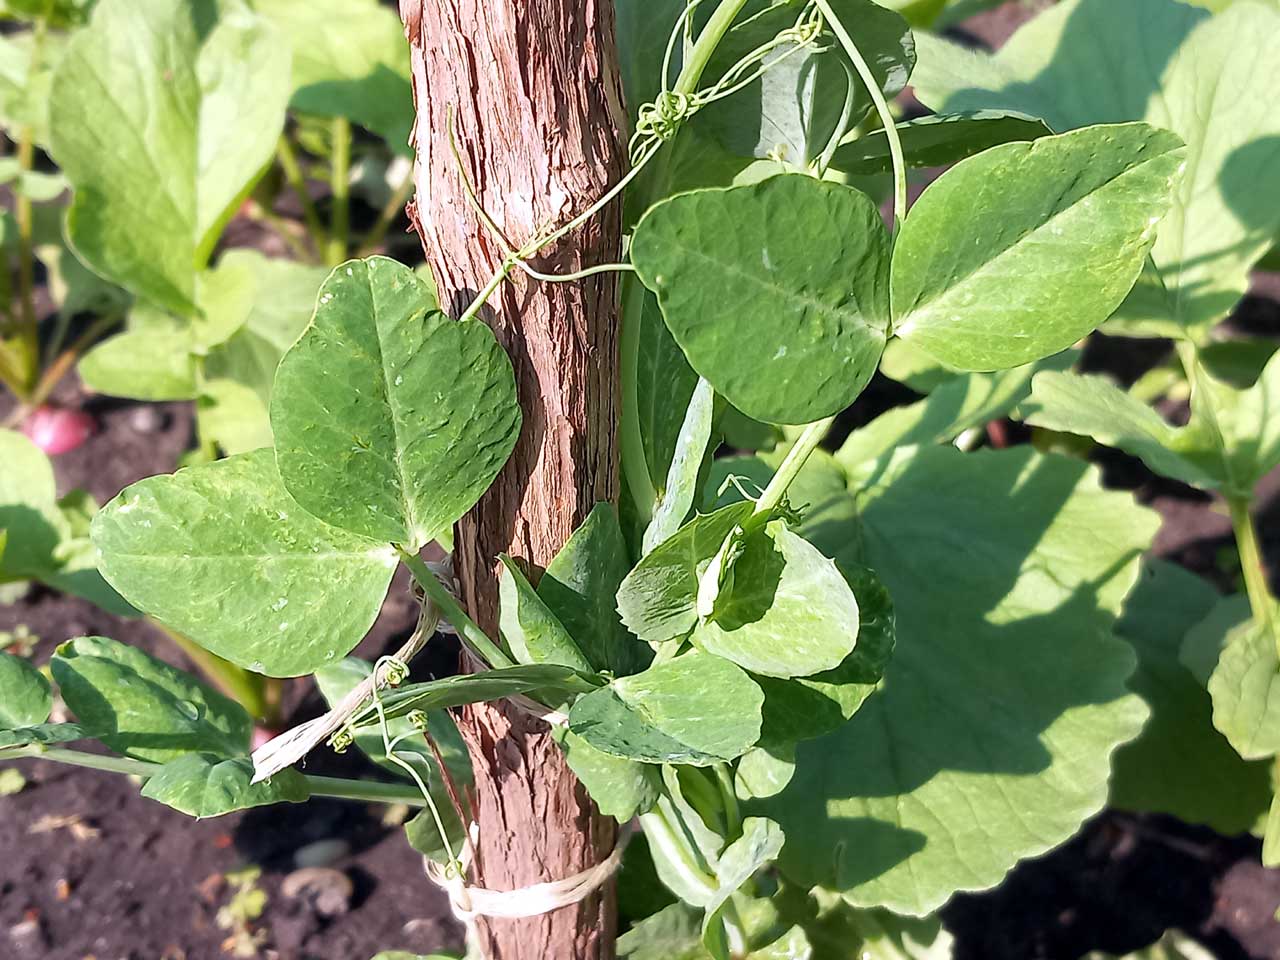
pixel 391 419
pixel 1209 79
pixel 1018 252
pixel 221 553
pixel 696 709
pixel 206 785
pixel 777 292
pixel 143 708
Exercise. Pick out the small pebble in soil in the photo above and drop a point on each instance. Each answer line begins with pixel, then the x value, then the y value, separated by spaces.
pixel 327 891
pixel 147 418
pixel 29 939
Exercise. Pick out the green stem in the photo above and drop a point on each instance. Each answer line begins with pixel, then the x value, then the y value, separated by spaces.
pixel 332 787
pixel 340 186
pixel 288 161
pixel 394 207
pixel 1252 566
pixel 791 465
pixel 635 466
pixel 882 108
pixel 483 296
pixel 452 611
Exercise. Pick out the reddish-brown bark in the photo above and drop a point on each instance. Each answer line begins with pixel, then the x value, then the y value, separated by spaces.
pixel 531 90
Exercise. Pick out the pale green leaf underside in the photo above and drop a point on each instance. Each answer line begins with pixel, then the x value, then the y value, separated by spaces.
pixel 936 141
pixel 658 598
pixel 1245 687
pixel 25 697
pixel 990 738
pixel 1092 407
pixel 696 709
pixel 163 113
pixel 391 419
pixel 1180 764
pixel 621 788
pixel 530 629
pixel 205 785
pixel 1018 252
pixel 45 734
pixel 785 336
pixel 222 554
pixel 789 612
pixel 580 587
pixel 1211 80
pixel 144 708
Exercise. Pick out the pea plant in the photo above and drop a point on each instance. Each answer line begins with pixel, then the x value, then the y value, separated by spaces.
pixel 136 245
pixel 1224 221
pixel 833 685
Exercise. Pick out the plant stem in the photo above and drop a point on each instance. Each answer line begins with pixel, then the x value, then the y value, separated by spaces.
pixel 394 207
pixel 882 108
pixel 340 186
pixel 297 182
pixel 332 787
pixel 453 612
pixel 1252 566
pixel 635 466
pixel 791 465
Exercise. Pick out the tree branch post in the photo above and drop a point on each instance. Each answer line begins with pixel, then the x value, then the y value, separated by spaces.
pixel 531 91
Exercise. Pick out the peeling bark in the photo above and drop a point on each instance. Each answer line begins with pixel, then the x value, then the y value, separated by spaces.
pixel 531 90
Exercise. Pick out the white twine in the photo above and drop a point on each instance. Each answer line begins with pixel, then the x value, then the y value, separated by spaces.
pixel 469 902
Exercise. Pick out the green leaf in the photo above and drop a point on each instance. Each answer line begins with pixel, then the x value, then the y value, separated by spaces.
pixel 580 587
pixel 43 543
pixel 789 612
pixel 990 737
pixel 143 365
pixel 1271 837
pixel 664 382
pixel 679 493
pixel 424 836
pixel 222 554
pixel 206 785
pixel 25 697
pixel 806 707
pixel 233 416
pixel 1174 945
pixel 696 709
pixel 1092 407
pixel 784 337
pixel 1018 252
pixel 549 679
pixel 336 680
pixel 143 708
pixel 350 59
pixel 191 95
pixel 1245 687
pixel 1179 764
pixel 658 599
pixel 44 734
pixel 964 402
pixel 1205 641
pixel 936 141
pixel 1207 79
pixel 529 627
pixel 28 508
pixel 621 788
pixel 426 417
pixel 759 845
pixel 25 78
pixel 807 93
